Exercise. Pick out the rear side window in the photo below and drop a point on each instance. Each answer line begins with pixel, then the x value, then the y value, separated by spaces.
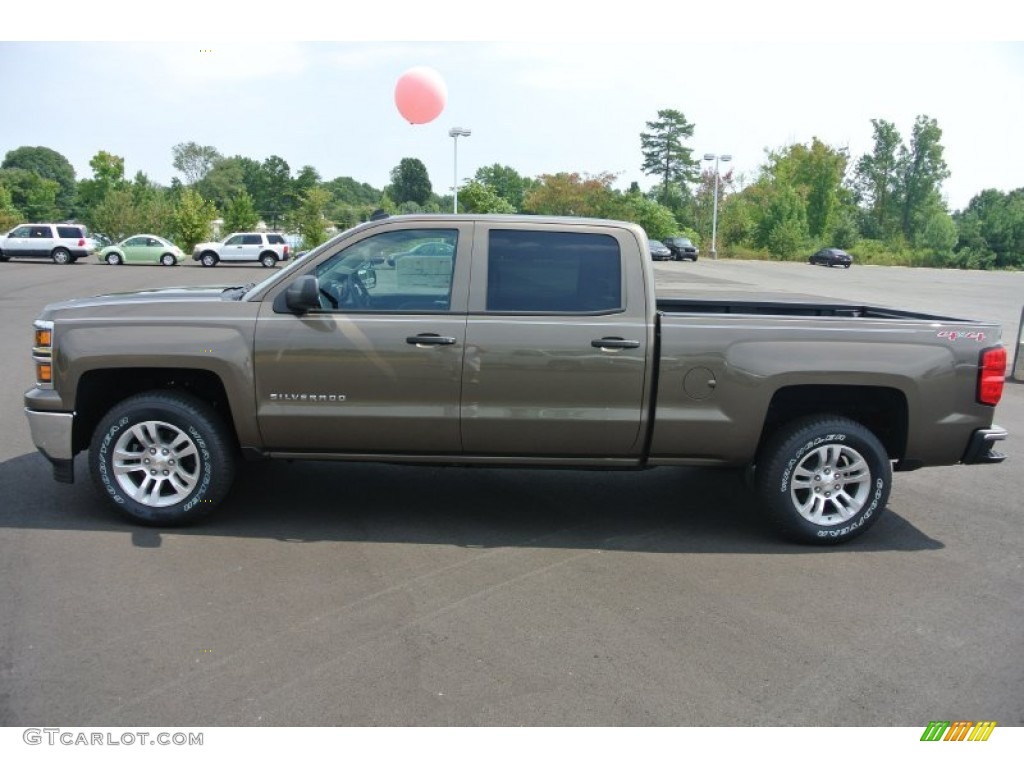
pixel 252 240
pixel 275 239
pixel 41 232
pixel 69 232
pixel 553 272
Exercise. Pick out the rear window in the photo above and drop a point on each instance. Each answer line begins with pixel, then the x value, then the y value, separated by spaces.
pixel 553 272
pixel 70 232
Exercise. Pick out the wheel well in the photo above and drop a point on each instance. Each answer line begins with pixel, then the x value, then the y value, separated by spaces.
pixel 883 410
pixel 268 253
pixel 210 253
pixel 100 390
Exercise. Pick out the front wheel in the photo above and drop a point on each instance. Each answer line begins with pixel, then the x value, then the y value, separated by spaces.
pixel 162 458
pixel 113 259
pixel 209 259
pixel 824 479
pixel 168 260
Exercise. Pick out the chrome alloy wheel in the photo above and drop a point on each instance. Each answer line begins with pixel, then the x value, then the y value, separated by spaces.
pixel 156 464
pixel 831 484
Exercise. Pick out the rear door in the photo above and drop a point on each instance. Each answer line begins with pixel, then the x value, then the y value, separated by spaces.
pixel 41 240
pixel 557 344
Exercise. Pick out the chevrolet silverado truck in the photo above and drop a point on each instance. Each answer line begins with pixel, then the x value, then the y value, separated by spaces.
pixel 507 341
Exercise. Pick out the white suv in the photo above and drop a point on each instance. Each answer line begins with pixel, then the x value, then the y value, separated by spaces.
pixel 267 248
pixel 63 243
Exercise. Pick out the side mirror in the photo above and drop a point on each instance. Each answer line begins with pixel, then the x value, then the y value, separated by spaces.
pixel 303 295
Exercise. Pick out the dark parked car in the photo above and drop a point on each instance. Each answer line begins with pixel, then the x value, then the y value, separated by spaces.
pixel 659 251
pixel 681 248
pixel 832 257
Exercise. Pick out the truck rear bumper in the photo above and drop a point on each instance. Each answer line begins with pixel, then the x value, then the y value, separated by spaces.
pixel 980 448
pixel 51 433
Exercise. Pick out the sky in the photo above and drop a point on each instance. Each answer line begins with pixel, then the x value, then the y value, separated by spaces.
pixel 557 87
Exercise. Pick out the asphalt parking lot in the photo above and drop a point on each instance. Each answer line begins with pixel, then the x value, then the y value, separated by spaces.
pixel 329 594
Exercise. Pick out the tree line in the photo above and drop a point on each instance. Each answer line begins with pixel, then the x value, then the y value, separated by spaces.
pixel 885 205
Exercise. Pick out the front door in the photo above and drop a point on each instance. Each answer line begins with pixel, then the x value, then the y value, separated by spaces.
pixel 378 368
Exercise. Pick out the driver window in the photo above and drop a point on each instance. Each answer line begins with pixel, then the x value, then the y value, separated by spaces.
pixel 399 271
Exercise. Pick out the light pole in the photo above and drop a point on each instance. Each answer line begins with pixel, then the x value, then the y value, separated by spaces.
pixel 714 214
pixel 455 133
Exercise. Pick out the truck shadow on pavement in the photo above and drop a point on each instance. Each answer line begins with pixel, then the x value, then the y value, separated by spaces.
pixel 664 510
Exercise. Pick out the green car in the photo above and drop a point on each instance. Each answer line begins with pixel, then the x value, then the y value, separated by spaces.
pixel 143 249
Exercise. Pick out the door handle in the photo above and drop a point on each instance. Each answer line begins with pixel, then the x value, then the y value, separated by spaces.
pixel 615 342
pixel 430 340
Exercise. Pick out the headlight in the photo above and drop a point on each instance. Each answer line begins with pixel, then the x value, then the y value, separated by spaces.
pixel 42 352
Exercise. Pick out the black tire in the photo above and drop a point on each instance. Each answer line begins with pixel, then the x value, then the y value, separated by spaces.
pixel 179 441
pixel 113 259
pixel 268 260
pixel 61 256
pixel 168 260
pixel 4 257
pixel 209 259
pixel 824 479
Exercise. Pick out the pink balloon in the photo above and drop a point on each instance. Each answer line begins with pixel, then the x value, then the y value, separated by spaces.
pixel 420 94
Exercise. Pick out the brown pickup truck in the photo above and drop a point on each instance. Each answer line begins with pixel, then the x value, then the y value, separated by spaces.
pixel 513 341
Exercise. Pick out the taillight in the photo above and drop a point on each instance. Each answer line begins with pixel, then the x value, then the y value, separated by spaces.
pixel 991 375
pixel 81 242
pixel 286 251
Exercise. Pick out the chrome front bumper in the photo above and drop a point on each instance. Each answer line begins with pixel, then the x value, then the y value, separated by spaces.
pixel 51 433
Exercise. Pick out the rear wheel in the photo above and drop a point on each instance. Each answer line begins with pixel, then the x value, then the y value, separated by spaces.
pixel 162 458
pixel 61 256
pixel 824 479
pixel 268 260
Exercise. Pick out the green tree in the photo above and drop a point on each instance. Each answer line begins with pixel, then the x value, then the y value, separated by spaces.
pixel 50 165
pixel 782 229
pixel 240 213
pixel 656 220
pixel 991 229
pixel 193 160
pixel 922 172
pixel 477 197
pixel 410 181
pixel 9 215
pixel 224 181
pixel 664 153
pixel 816 174
pixel 506 183
pixel 33 195
pixel 937 236
pixel 309 220
pixel 192 218
pixel 877 180
pixel 345 189
pixel 118 215
pixel 573 194
pixel 271 192
pixel 107 175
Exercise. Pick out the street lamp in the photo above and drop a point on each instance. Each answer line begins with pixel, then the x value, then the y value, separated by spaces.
pixel 714 215
pixel 455 133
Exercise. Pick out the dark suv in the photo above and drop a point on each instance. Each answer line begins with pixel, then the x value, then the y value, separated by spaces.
pixel 681 248
pixel 64 243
